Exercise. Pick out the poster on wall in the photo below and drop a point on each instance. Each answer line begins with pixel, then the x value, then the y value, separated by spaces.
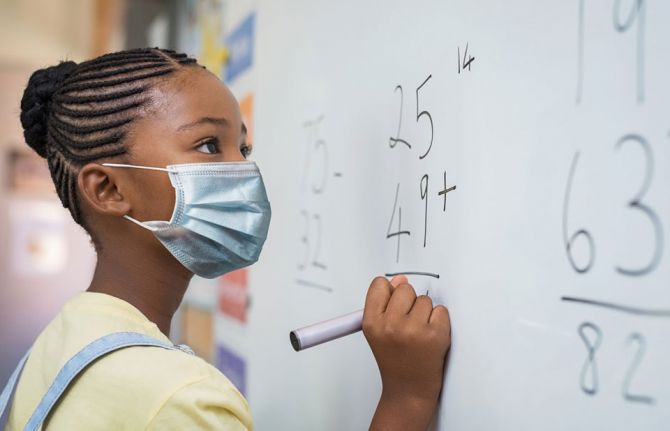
pixel 233 294
pixel 203 33
pixel 232 366
pixel 197 331
pixel 240 43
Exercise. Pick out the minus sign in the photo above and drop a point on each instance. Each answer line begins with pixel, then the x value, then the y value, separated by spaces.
pixel 312 284
pixel 427 274
pixel 337 174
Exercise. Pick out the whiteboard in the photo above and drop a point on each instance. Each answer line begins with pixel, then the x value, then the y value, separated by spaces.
pixel 551 119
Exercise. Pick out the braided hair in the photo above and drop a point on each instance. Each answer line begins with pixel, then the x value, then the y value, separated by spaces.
pixel 73 114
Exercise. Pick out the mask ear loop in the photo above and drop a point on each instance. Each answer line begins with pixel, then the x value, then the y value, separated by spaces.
pixel 122 165
pixel 149 168
pixel 139 223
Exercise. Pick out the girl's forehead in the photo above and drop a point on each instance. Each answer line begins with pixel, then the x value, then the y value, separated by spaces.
pixel 193 94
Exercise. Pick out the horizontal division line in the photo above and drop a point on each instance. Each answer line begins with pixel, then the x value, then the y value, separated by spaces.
pixel 651 312
pixel 313 284
pixel 427 274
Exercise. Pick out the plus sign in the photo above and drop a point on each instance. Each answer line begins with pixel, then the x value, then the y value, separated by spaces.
pixel 445 191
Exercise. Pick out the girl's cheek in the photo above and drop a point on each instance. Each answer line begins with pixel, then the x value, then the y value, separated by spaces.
pixel 157 198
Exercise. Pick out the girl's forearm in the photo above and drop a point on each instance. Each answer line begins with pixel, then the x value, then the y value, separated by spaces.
pixel 403 412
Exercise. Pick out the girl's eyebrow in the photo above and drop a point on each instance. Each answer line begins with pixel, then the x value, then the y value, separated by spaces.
pixel 210 120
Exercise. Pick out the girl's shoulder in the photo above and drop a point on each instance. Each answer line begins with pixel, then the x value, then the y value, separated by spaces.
pixel 127 387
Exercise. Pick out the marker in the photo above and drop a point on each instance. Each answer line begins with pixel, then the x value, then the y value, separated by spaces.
pixel 328 330
pixel 332 329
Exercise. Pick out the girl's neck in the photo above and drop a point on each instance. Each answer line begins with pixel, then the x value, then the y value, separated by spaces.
pixel 154 283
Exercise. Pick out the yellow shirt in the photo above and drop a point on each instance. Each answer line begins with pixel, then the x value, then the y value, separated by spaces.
pixel 135 388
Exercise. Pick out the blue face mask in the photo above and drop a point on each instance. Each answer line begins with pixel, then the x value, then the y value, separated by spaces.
pixel 221 216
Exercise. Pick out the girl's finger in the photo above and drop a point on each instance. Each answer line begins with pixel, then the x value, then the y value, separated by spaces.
pixel 378 297
pixel 398 280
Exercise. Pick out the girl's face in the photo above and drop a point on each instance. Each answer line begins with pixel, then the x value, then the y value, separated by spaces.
pixel 194 119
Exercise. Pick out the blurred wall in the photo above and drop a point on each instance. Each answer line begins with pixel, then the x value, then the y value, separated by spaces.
pixel 45 258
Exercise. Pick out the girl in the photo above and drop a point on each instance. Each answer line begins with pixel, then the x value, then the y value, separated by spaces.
pixel 147 151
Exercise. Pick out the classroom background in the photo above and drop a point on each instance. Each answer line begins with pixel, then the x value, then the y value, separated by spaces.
pixel 44 256
pixel 509 157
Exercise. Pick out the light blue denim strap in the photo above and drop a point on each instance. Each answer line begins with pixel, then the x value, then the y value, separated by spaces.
pixel 81 360
pixel 8 393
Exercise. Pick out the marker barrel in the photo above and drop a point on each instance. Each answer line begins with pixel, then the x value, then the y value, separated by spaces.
pixel 321 332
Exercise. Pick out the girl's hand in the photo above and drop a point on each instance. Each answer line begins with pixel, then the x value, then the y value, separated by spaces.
pixel 409 339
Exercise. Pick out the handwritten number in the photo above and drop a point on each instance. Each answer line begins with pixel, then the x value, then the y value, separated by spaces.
pixel 399 232
pixel 304 239
pixel 318 187
pixel 467 60
pixel 636 12
pixel 588 378
pixel 394 141
pixel 638 339
pixel 314 182
pixel 636 203
pixel 569 242
pixel 423 187
pixel 592 337
pixel 317 251
pixel 424 113
pixel 315 145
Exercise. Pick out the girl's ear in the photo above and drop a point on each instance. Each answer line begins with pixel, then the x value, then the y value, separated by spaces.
pixel 99 188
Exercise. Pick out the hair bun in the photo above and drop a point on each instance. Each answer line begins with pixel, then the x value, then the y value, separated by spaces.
pixel 36 100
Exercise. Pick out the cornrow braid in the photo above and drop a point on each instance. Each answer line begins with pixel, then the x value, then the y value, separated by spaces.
pixel 73 114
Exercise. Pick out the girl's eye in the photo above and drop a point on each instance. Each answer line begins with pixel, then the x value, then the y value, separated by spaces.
pixel 245 150
pixel 209 146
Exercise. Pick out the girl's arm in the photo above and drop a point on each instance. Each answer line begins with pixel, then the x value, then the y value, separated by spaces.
pixel 409 339
pixel 402 413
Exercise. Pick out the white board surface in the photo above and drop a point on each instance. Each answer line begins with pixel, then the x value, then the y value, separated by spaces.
pixel 551 251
